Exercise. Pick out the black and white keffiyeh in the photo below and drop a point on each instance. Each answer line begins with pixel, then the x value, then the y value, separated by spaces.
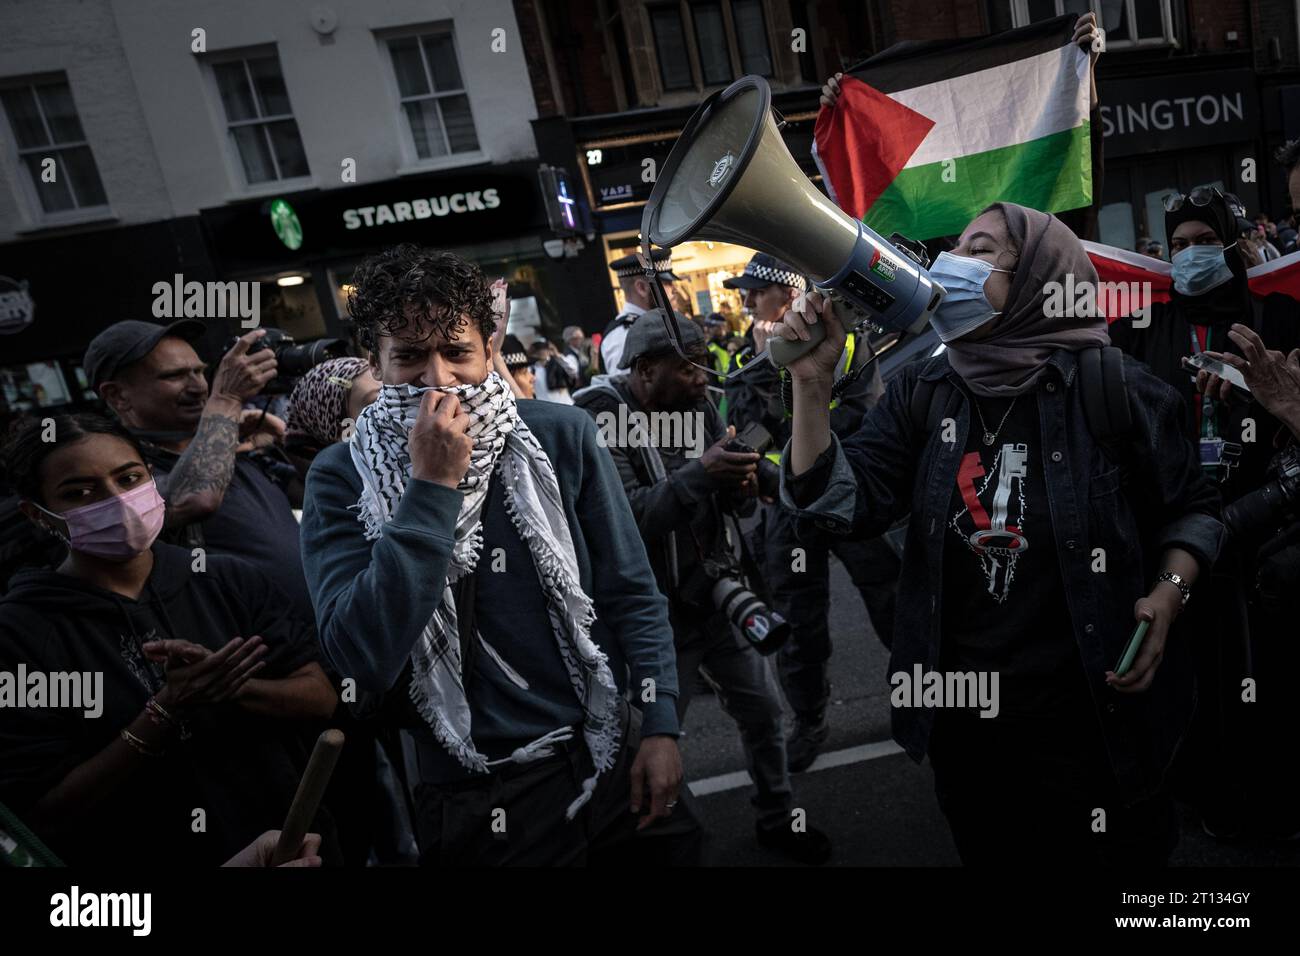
pixel 532 493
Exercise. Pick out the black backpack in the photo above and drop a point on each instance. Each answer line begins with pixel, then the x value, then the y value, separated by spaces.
pixel 1105 402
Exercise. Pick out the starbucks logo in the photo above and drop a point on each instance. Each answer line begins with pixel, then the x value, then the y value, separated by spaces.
pixel 285 222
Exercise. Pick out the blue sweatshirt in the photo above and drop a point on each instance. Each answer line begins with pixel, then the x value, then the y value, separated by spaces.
pixel 373 598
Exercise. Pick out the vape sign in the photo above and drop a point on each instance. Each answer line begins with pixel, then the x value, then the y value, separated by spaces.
pixel 17 308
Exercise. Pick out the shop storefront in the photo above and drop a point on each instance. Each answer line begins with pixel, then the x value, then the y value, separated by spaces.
pixel 303 247
pixel 59 292
pixel 618 169
pixel 1168 133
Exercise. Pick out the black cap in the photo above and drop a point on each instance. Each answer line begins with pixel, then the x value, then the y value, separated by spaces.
pixel 648 336
pixel 125 342
pixel 627 266
pixel 513 353
pixel 763 270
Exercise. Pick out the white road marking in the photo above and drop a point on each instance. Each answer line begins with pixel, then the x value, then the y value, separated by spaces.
pixel 836 758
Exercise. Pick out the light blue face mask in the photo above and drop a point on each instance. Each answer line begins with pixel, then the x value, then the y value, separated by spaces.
pixel 1198 269
pixel 965 308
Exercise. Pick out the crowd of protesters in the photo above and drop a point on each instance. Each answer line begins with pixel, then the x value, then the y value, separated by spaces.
pixel 441 550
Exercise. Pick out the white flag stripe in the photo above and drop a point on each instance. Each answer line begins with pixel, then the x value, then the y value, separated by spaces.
pixel 1001 106
pixel 1128 257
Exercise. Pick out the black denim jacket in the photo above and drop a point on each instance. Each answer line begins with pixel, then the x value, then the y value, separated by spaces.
pixel 1155 499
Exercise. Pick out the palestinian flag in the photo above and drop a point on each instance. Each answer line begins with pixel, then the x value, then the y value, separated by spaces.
pixel 925 135
pixel 1128 280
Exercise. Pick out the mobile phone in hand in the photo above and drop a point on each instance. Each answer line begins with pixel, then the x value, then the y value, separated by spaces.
pixel 1132 648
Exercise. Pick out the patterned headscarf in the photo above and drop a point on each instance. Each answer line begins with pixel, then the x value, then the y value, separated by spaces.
pixel 319 402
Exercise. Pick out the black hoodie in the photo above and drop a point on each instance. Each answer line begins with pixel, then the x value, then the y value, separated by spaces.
pixel 241 770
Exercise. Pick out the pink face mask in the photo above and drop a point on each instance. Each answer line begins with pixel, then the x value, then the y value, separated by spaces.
pixel 116 528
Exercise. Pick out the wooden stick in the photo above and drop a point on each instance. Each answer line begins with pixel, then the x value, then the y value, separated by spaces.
pixel 307 800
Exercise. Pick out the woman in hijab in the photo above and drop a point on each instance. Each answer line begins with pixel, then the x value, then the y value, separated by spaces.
pixel 1211 309
pixel 1031 556
pixel 323 404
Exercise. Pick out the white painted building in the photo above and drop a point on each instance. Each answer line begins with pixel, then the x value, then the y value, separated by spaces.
pixel 183 105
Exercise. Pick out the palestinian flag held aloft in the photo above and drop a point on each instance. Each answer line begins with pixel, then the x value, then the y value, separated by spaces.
pixel 926 135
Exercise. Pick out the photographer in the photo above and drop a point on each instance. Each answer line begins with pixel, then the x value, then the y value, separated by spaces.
pixel 681 491
pixel 199 443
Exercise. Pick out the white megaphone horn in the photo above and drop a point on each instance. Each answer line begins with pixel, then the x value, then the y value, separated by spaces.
pixel 730 177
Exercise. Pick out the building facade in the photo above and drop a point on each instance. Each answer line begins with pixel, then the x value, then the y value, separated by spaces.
pixel 245 141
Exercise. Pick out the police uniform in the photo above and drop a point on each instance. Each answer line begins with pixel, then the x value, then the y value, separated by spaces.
pixel 802 596
pixel 611 345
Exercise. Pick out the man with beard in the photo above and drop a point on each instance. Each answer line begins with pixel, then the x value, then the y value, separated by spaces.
pixel 477 571
pixel 201 444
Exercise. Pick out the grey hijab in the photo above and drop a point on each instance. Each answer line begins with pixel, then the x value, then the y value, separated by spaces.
pixel 1013 359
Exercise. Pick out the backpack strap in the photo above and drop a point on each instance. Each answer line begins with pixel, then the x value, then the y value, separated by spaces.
pixel 624 319
pixel 929 404
pixel 1105 399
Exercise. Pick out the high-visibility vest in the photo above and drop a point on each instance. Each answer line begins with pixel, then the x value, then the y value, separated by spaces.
pixel 845 364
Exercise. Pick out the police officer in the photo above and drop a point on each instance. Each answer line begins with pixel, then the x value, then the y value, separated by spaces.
pixel 799 580
pixel 636 298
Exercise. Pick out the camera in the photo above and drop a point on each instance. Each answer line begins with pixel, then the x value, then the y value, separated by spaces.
pixel 744 610
pixel 1257 513
pixel 291 359
pixel 758 440
pixel 759 624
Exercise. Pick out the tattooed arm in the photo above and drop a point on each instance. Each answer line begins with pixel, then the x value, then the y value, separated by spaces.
pixel 196 486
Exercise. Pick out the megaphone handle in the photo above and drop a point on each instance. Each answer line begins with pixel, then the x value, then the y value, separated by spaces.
pixel 783 351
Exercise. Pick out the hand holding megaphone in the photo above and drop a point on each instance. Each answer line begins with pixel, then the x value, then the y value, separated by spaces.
pixel 810 319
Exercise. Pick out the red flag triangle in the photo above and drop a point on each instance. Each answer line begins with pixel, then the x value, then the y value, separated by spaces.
pixel 864 143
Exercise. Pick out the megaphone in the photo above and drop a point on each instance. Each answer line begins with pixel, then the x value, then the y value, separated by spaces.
pixel 730 177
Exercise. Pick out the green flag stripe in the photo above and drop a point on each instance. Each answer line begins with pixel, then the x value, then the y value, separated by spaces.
pixel 1052 173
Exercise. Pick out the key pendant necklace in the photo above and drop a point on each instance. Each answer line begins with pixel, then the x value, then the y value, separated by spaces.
pixel 991 437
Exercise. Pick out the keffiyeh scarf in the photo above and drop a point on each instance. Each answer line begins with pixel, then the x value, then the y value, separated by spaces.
pixel 501 440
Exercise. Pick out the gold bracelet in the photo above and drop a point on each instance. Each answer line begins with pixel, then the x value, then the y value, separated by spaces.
pixel 139 745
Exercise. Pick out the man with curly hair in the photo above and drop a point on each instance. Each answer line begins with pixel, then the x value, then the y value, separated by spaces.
pixel 477 571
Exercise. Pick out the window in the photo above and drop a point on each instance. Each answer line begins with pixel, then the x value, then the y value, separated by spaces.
pixel 730 40
pixel 1128 23
pixel 751 37
pixel 670 44
pixel 432 95
pixel 260 119
pixel 711 41
pixel 45 124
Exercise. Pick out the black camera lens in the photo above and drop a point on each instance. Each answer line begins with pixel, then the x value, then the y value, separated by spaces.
pixel 760 625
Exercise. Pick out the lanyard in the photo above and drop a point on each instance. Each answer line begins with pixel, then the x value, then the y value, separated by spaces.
pixel 1205 418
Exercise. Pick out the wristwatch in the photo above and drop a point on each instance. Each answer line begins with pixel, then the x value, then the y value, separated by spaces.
pixel 1177 581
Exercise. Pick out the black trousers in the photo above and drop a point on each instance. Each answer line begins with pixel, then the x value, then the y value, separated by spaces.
pixel 802 597
pixel 516 816
pixel 1041 792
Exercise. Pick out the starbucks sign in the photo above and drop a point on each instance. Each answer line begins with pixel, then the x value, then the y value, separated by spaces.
pixel 285 222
